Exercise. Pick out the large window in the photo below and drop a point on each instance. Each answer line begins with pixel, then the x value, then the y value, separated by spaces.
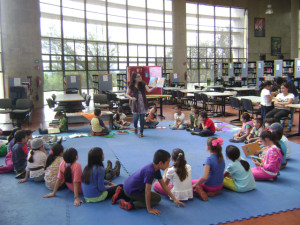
pixel 105 36
pixel 214 35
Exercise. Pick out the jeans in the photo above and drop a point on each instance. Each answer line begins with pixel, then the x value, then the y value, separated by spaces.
pixel 265 110
pixel 290 123
pixel 278 114
pixel 136 117
pixel 204 132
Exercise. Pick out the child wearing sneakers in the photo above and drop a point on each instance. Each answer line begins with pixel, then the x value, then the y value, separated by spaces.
pixel 137 187
pixel 258 127
pixel 94 187
pixel 211 183
pixel 98 127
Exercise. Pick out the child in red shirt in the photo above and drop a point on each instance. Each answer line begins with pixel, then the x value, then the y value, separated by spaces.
pixel 206 126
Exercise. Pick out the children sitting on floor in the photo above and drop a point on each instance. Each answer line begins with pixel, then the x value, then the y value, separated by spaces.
pixel 181 175
pixel 178 119
pixel 150 118
pixel 54 159
pixel 267 168
pixel 36 161
pixel 211 183
pixel 19 154
pixel 69 172
pixel 94 187
pixel 258 127
pixel 206 126
pixel 278 135
pixel 238 175
pixel 137 187
pixel 269 122
pixel 244 132
pixel 190 124
pixel 98 127
pixel 119 120
pixel 63 124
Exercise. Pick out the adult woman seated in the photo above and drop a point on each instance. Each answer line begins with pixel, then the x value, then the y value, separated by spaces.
pixel 282 100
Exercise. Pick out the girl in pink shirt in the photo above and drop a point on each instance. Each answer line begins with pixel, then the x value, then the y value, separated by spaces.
pixel 69 172
pixel 269 166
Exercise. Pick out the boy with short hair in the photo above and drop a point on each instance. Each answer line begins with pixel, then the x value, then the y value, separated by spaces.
pixel 137 187
pixel 98 127
pixel 191 122
pixel 178 119
pixel 256 130
pixel 206 126
pixel 63 124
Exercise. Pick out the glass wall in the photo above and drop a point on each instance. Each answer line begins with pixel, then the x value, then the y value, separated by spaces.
pixel 105 36
pixel 214 35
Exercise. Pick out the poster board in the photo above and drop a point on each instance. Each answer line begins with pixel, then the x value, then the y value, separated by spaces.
pixel 175 78
pixel 73 82
pixel 146 72
pixel 245 70
pixel 278 68
pixel 16 89
pixel 230 70
pixel 105 82
pixel 297 68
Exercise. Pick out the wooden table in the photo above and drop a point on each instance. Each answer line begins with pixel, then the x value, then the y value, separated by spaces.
pixel 69 102
pixel 159 97
pixel 295 106
pixel 223 96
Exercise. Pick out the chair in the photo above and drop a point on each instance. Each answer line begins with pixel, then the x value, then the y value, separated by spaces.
pixel 210 102
pixel 5 106
pixel 236 104
pixel 112 99
pixel 100 101
pixel 248 107
pixel 53 98
pixel 183 100
pixel 50 102
pixel 23 109
pixel 72 91
pixel 87 100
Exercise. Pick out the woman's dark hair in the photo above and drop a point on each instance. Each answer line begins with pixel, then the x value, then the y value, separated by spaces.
pixel 272 137
pixel 180 163
pixel 69 158
pixel 141 85
pixel 12 134
pixel 94 159
pixel 19 135
pixel 161 156
pixel 233 153
pixel 56 149
pixel 246 116
pixel 215 149
pixel 286 85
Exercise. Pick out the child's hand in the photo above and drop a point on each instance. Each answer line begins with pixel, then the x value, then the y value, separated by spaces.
pixel 177 202
pixel 22 181
pixel 154 211
pixel 236 136
pixel 50 195
pixel 77 202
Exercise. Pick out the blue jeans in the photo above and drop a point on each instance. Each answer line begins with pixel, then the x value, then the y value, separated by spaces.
pixel 136 118
pixel 265 110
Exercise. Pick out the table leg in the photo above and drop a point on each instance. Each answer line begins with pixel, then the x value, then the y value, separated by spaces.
pixel 161 108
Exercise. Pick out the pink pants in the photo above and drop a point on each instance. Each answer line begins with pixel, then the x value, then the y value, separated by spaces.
pixel 9 164
pixel 260 174
pixel 157 187
pixel 208 188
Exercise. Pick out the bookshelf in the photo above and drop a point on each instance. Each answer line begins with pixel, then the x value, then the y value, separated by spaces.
pixel 225 73
pixel 268 68
pixel 120 80
pixel 288 67
pixel 252 75
pixel 237 73
pixel 102 82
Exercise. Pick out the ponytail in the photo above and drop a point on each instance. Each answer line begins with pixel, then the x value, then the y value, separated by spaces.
pixel 233 153
pixel 272 137
pixel 180 163
pixel 215 145
pixel 31 156
pixel 69 158
pixel 56 150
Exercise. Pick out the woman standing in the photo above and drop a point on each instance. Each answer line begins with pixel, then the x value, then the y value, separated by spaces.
pixel 139 104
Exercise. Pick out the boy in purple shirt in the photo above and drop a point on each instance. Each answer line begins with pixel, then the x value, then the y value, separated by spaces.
pixel 137 187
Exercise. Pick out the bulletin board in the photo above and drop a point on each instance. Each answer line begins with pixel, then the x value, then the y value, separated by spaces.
pixel 278 68
pixel 146 72
pixel 259 69
pixel 16 88
pixel 105 82
pixel 175 78
pixel 245 70
pixel 230 70
pixel 73 81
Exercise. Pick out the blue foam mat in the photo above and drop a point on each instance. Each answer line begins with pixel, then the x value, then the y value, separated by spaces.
pixel 23 203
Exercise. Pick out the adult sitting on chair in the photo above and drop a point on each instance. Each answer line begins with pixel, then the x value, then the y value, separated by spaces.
pixel 282 100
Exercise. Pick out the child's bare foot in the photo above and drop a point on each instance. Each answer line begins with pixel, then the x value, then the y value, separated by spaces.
pixel 202 194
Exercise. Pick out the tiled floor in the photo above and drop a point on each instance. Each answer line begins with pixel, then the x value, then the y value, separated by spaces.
pixel 42 116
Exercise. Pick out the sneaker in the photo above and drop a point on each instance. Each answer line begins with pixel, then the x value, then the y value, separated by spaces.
pixel 116 195
pixel 109 166
pixel 213 193
pixel 202 194
pixel 20 175
pixel 117 168
pixel 125 205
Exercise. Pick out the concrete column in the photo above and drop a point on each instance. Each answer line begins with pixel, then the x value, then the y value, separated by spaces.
pixel 294 28
pixel 179 38
pixel 22 43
